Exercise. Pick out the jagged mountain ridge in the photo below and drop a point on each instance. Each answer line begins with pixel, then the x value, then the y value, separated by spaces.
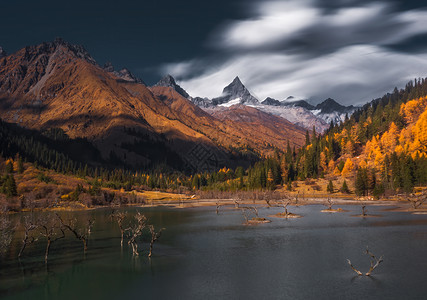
pixel 57 84
pixel 124 73
pixel 298 112
pixel 169 81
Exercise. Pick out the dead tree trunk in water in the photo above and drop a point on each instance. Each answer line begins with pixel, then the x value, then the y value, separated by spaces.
pixel 90 223
pixel 245 213
pixel 267 199
pixel 154 237
pixel 417 200
pixel 364 210
pixel 330 203
pixel 375 262
pixel 49 229
pixel 120 217
pixel 6 232
pixel 285 206
pixel 27 239
pixel 136 231
pixel 80 234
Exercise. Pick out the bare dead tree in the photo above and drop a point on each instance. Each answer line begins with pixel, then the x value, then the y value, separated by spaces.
pixel 28 239
pixel 120 217
pixel 364 210
pixel 375 262
pixel 330 203
pixel 285 206
pixel 113 215
pixel 245 214
pixel 353 268
pixel 90 223
pixel 237 202
pixel 154 237
pixel 80 233
pixel 246 211
pixel 267 199
pixel 136 231
pixel 52 231
pixel 417 200
pixel 6 232
pixel 252 208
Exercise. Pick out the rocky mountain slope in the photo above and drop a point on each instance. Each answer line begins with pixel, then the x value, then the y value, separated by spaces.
pixel 298 112
pixel 59 85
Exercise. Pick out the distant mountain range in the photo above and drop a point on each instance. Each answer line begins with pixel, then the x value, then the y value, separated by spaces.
pixel 299 112
pixel 57 85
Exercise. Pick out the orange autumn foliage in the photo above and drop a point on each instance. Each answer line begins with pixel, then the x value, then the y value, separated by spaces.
pixel 348 167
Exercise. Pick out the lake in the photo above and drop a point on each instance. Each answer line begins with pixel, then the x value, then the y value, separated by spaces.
pixel 202 255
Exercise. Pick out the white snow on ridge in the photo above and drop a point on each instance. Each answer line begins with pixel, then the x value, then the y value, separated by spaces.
pixel 231 102
pixel 296 115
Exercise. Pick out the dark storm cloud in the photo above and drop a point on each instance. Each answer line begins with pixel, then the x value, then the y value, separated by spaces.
pixel 349 50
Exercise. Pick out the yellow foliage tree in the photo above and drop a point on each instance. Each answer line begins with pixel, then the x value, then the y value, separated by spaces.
pixel 420 130
pixel 331 166
pixel 389 138
pixel 348 167
pixel 363 164
pixel 411 110
pixel 349 147
pixel 323 162
pixel 337 171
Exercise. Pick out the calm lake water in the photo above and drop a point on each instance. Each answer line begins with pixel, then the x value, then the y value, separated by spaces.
pixel 202 255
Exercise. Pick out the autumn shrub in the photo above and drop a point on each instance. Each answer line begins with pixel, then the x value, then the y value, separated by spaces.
pixel 316 187
pixel 309 181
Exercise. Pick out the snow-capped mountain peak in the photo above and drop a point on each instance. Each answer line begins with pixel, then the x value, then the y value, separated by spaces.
pixel 235 90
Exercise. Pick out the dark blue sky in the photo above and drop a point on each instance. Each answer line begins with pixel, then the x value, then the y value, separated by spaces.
pixel 140 35
pixel 350 50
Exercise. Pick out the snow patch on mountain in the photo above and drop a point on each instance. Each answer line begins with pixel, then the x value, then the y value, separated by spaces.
pixel 231 102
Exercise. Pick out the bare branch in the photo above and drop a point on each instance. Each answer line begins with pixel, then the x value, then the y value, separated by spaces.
pixel 120 217
pixel 374 263
pixel 154 237
pixel 353 268
pixel 6 232
pixel 285 206
pixel 417 200
pixel 136 231
pixel 330 203
pixel 27 239
pixel 364 210
pixel 49 229
pixel 80 234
